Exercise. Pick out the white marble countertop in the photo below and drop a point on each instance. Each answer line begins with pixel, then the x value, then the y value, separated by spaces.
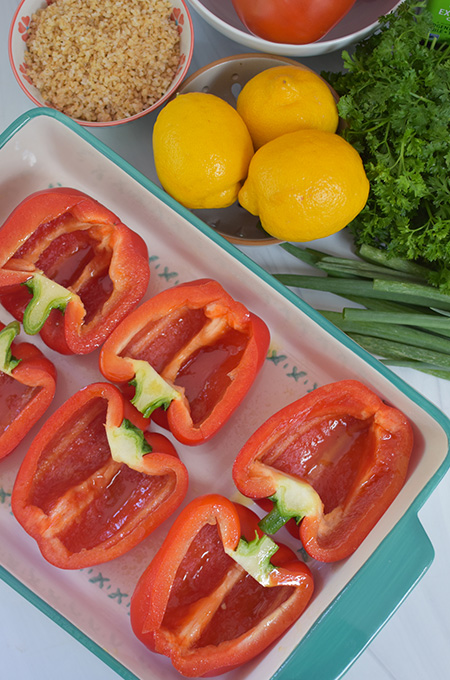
pixel 414 643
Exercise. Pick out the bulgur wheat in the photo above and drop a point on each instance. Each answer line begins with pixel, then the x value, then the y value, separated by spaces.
pixel 103 60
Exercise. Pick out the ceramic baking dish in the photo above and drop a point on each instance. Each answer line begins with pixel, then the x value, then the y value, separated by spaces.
pixel 353 598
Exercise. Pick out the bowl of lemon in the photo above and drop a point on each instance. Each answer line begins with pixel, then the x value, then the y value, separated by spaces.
pixel 251 145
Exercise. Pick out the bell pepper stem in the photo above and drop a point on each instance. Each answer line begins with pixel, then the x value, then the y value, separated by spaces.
pixel 254 556
pixel 7 362
pixel 294 497
pixel 274 520
pixel 152 391
pixel 47 295
pixel 127 444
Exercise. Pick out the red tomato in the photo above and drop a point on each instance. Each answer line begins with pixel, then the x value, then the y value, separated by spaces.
pixel 291 21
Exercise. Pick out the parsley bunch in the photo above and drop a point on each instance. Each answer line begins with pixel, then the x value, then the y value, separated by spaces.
pixel 395 99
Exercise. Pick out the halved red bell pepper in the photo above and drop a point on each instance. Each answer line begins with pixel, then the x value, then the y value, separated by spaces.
pixel 91 486
pixel 334 460
pixel 218 592
pixel 191 350
pixel 27 387
pixel 82 270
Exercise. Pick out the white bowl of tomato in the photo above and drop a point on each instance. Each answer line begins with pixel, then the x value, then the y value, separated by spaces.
pixel 350 22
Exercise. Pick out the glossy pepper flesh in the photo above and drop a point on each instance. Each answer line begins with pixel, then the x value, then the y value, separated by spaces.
pixel 291 21
pixel 198 605
pixel 333 460
pixel 69 269
pixel 27 387
pixel 192 350
pixel 92 485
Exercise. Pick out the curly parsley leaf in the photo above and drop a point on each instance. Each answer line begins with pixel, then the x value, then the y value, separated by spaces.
pixel 395 99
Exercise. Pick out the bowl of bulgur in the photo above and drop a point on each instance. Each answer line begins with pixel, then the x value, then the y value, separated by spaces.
pixel 101 62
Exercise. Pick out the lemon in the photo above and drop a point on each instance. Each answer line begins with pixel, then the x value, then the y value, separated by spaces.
pixel 305 185
pixel 202 150
pixel 284 99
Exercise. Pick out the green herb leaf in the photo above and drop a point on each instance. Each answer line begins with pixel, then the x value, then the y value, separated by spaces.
pixel 395 98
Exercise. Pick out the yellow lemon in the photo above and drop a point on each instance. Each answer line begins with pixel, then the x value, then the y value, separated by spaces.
pixel 284 99
pixel 305 185
pixel 202 150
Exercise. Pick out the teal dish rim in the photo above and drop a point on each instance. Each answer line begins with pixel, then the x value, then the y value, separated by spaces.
pixel 348 628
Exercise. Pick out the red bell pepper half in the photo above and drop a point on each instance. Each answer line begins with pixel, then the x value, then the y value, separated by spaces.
pixel 218 592
pixel 27 387
pixel 334 460
pixel 82 270
pixel 91 485
pixel 192 350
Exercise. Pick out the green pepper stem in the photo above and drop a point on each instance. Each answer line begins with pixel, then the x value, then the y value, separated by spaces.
pixel 151 390
pixel 273 521
pixel 47 295
pixel 127 444
pixel 254 556
pixel 7 362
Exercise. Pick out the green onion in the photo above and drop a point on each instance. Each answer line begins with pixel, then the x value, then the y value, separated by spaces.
pixel 364 269
pixel 398 350
pixel 396 333
pixel 413 291
pixel 418 366
pixel 307 255
pixel 378 289
pixel 401 319
pixel 378 256
pixel 425 321
pixel 387 305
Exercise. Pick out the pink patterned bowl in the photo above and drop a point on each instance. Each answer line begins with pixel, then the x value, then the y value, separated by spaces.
pixel 17 46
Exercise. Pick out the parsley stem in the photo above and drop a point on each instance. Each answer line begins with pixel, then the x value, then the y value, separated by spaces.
pixel 421 98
